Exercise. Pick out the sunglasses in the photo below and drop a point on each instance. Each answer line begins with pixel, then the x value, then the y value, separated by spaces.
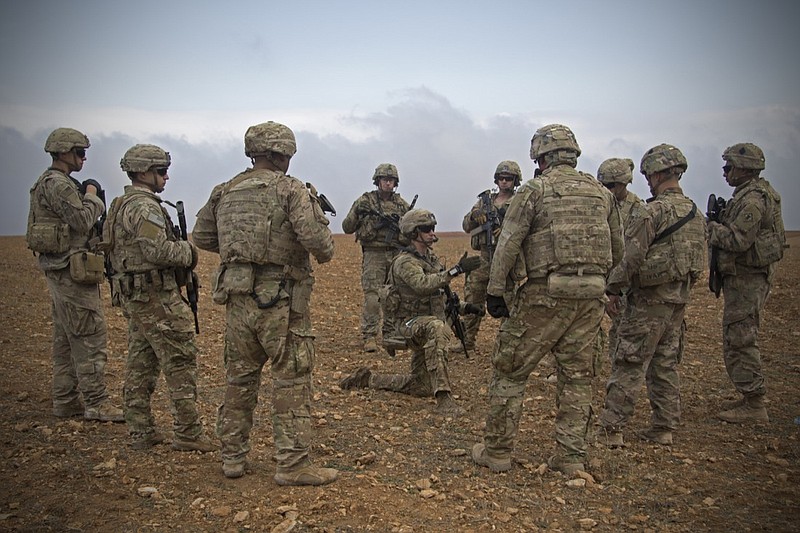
pixel 609 186
pixel 426 229
pixel 727 168
pixel 80 152
pixel 161 171
pixel 505 178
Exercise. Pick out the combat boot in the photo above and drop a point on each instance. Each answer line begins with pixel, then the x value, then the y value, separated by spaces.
pixel 613 439
pixel 200 444
pixel 727 405
pixel 496 464
pixel 305 475
pixel 658 435
pixel 234 470
pixel 105 412
pixel 147 440
pixel 456 347
pixel 447 406
pixel 751 410
pixel 564 466
pixel 370 345
pixel 357 380
pixel 69 410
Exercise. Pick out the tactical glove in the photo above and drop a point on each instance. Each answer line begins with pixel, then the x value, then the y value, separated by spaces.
pixel 479 217
pixel 496 305
pixel 474 309
pixel 94 183
pixel 465 264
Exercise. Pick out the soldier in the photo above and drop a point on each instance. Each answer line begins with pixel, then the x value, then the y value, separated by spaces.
pixel 61 222
pixel 373 218
pixel 264 223
pixel 664 257
pixel 566 227
pixel 750 239
pixel 507 177
pixel 150 265
pixel 616 174
pixel 416 304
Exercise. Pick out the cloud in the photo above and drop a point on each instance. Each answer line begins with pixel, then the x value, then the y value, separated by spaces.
pixel 443 153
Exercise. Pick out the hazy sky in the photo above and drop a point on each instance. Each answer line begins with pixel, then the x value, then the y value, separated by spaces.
pixel 443 89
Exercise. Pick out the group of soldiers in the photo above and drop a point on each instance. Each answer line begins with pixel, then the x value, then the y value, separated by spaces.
pixel 556 253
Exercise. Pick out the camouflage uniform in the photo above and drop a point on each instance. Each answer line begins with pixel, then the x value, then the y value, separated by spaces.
pixel 566 227
pixel 79 328
pixel 417 309
pixel 264 223
pixel 662 261
pixel 379 244
pixel 750 238
pixel 149 262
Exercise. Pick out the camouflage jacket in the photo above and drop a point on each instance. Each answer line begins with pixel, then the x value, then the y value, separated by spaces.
pixel 372 230
pixel 418 281
pixel 750 235
pixel 478 241
pixel 662 270
pixel 628 207
pixel 56 198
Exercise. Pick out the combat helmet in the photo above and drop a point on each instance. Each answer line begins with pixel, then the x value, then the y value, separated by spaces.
pixel 143 157
pixel 616 170
pixel 414 219
pixel 662 157
pixel 509 168
pixel 385 170
pixel 744 155
pixel 62 140
pixel 552 138
pixel 267 137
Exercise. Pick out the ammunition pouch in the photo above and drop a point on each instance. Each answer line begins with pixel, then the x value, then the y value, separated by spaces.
pixel 575 287
pixel 86 268
pixel 48 237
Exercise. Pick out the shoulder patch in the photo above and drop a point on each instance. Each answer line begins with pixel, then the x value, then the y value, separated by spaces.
pixel 151 226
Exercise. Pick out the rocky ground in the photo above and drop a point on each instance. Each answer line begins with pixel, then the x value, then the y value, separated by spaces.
pixel 403 468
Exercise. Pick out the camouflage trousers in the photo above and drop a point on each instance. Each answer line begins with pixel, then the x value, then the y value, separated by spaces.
pixel 648 348
pixel 428 338
pixel 745 297
pixel 254 336
pixel 160 339
pixel 537 326
pixel 475 284
pixel 79 341
pixel 374 266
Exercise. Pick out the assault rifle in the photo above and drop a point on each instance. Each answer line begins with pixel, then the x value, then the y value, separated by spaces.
pixel 192 283
pixel 451 309
pixel 324 203
pixel 392 222
pixel 493 221
pixel 98 228
pixel 713 212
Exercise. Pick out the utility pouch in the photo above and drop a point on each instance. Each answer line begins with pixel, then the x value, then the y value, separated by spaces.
pixel 574 287
pixel 48 238
pixel 86 268
pixel 232 278
pixel 767 249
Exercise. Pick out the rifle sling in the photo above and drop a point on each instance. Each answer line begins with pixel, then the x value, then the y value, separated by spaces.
pixel 676 226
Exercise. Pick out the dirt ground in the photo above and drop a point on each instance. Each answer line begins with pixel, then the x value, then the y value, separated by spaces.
pixel 402 468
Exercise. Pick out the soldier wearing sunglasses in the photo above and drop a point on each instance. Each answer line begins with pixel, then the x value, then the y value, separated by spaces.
pixel 61 223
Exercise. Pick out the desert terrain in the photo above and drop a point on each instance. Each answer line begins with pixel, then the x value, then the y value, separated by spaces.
pixel 402 467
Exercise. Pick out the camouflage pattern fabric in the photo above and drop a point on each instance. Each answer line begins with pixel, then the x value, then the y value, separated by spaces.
pixel 648 348
pixel 753 214
pixel 650 338
pixel 79 341
pixel 145 255
pixel 562 206
pixel 539 325
pixel 379 247
pixel 79 327
pixel 267 308
pixel 421 322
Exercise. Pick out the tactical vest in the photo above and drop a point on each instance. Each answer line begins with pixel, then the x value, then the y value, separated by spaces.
pixel 675 256
pixel 628 208
pixel 401 302
pixel 770 241
pixel 571 234
pixel 373 231
pixel 253 224
pixel 478 239
pixel 122 246
pixel 46 233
